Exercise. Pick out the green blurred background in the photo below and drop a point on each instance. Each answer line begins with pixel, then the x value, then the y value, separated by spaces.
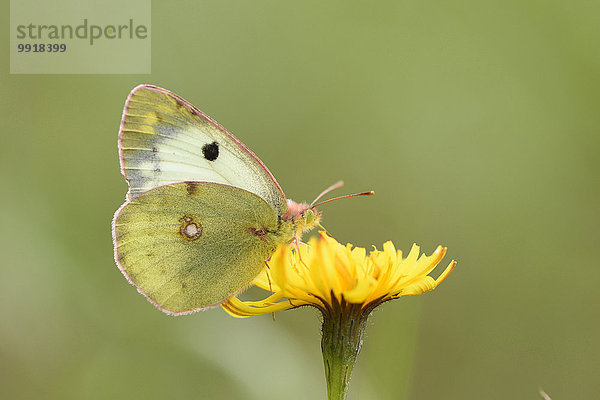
pixel 477 125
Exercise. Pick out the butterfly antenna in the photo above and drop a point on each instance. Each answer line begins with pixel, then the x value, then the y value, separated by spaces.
pixel 369 193
pixel 336 185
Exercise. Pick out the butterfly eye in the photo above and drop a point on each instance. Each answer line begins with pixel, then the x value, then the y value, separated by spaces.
pixel 309 216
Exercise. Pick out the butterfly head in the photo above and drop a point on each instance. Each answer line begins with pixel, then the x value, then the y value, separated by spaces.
pixel 303 216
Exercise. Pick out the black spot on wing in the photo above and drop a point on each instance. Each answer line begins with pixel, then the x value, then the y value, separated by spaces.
pixel 211 151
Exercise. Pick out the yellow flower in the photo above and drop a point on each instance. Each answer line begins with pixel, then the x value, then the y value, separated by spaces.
pixel 325 274
pixel 345 284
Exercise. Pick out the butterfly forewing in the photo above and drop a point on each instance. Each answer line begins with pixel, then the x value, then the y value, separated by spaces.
pixel 191 245
pixel 164 139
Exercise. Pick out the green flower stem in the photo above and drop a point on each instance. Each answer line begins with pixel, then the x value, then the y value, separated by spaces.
pixel 343 328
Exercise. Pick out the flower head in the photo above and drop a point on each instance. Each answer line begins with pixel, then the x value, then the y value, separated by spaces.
pixel 325 273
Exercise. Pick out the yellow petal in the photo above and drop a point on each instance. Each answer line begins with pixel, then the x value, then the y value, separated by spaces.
pixel 361 291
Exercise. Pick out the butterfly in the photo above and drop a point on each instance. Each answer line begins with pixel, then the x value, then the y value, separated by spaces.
pixel 202 214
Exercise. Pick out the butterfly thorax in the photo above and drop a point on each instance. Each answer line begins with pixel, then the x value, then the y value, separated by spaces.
pixel 302 216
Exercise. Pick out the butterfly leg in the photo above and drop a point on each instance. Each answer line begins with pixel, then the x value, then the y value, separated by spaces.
pixel 269 278
pixel 297 245
pixel 269 274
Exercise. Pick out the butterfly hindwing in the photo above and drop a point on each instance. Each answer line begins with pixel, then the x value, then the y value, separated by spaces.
pixel 164 139
pixel 191 245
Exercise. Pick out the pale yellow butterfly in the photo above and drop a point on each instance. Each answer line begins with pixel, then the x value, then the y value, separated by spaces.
pixel 202 213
